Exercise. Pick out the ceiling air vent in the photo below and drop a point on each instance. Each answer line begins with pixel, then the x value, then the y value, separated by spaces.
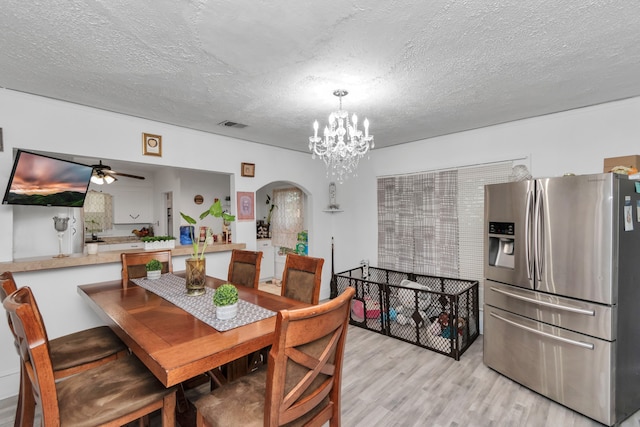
pixel 231 124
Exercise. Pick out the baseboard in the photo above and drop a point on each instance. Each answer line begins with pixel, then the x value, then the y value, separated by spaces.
pixel 9 384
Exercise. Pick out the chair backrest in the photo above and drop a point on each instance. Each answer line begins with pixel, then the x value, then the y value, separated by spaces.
pixel 305 363
pixel 244 268
pixel 133 263
pixel 9 286
pixel 302 277
pixel 33 346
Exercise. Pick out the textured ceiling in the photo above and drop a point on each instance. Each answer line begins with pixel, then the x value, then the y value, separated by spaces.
pixel 416 69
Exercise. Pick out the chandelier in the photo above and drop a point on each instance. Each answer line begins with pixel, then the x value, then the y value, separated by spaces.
pixel 343 144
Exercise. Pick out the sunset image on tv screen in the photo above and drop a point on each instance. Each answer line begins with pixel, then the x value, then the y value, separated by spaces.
pixel 45 181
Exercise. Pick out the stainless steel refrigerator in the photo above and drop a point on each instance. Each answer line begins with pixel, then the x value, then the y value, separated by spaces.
pixel 562 290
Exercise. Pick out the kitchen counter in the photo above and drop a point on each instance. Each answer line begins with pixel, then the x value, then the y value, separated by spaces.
pixel 74 260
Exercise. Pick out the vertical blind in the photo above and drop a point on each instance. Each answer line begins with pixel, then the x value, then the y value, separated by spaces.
pixel 433 222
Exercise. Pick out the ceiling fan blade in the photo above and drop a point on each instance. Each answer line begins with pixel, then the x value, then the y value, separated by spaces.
pixel 126 174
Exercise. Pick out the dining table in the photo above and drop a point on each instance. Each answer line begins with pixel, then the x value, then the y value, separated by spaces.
pixel 174 344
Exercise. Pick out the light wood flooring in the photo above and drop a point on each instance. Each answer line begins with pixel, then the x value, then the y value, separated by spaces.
pixel 387 382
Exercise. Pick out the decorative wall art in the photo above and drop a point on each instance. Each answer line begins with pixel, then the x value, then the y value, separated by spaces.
pixel 248 169
pixel 245 206
pixel 151 145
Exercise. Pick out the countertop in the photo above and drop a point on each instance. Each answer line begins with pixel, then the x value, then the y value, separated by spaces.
pixel 74 260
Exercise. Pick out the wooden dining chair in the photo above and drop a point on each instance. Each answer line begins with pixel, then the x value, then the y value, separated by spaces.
pixel 244 268
pixel 302 381
pixel 133 264
pixel 70 354
pixel 302 277
pixel 112 394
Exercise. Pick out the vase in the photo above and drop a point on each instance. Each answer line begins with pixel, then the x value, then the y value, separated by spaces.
pixel 226 312
pixel 153 275
pixel 196 276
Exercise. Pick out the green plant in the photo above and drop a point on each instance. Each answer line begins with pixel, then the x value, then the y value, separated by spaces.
pixel 226 294
pixel 214 210
pixel 153 265
pixel 156 238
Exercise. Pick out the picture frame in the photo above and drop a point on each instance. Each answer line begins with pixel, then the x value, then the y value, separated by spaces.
pixel 151 145
pixel 248 169
pixel 246 205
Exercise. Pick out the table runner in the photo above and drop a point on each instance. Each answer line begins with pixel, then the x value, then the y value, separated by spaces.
pixel 172 288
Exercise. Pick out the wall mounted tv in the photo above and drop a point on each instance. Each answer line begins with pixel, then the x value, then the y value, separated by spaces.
pixel 40 180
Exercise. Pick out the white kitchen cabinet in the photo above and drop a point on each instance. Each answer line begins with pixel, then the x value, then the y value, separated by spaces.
pixel 268 259
pixel 133 207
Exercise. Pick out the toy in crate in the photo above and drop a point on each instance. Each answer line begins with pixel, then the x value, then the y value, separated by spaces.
pixel 364 308
pixel 442 329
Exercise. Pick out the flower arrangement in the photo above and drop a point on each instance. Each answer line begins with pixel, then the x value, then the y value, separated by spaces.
pixel 226 294
pixel 214 210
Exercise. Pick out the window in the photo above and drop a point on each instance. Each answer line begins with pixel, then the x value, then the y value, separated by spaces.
pixel 433 222
pixel 287 219
pixel 98 211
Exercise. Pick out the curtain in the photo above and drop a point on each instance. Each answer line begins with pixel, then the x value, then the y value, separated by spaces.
pixel 287 219
pixel 433 222
pixel 418 223
pixel 98 211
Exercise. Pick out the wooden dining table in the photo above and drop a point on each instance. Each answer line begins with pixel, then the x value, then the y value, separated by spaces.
pixel 172 343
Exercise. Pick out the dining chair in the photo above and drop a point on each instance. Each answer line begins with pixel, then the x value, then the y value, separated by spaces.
pixel 301 384
pixel 111 394
pixel 133 264
pixel 244 268
pixel 302 277
pixel 70 354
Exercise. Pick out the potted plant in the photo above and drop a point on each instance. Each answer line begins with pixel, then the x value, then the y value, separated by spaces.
pixel 196 267
pixel 225 299
pixel 158 242
pixel 154 269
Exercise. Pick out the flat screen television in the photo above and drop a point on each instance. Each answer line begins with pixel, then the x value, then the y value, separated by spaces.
pixel 40 180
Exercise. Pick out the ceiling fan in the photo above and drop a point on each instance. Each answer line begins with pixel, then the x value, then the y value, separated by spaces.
pixel 104 174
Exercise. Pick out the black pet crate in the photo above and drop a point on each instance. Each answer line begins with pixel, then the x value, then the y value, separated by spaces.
pixel 437 313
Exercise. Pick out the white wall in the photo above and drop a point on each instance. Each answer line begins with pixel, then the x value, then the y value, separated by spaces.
pixel 575 141
pixel 43 124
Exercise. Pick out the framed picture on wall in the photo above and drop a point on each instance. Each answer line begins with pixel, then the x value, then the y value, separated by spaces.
pixel 151 145
pixel 248 169
pixel 246 206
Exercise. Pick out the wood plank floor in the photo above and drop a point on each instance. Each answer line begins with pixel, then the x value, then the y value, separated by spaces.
pixel 387 382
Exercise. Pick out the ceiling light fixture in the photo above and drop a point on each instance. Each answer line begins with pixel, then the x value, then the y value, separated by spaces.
pixel 99 177
pixel 343 145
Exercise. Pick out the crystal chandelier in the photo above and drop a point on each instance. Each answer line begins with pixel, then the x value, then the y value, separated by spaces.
pixel 343 144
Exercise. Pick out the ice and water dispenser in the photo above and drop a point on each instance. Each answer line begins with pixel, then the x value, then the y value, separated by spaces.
pixel 501 244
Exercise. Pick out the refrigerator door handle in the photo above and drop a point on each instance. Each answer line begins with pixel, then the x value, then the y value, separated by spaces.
pixel 538 233
pixel 586 345
pixel 527 234
pixel 545 303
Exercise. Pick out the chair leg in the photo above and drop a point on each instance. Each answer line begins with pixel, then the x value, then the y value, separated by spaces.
pixel 26 408
pixel 169 411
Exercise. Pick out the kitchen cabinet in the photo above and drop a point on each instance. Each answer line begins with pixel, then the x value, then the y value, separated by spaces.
pixel 133 207
pixel 268 259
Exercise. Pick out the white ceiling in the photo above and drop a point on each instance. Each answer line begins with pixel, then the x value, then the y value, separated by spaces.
pixel 415 68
